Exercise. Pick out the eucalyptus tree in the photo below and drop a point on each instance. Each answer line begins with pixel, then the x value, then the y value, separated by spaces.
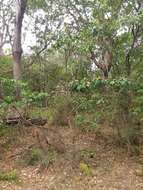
pixel 6 23
pixel 17 47
pixel 106 32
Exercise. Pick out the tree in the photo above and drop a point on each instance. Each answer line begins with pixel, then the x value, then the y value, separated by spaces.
pixel 106 31
pixel 6 24
pixel 17 48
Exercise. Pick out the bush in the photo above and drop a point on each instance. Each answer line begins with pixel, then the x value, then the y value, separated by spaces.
pixel 6 66
pixel 33 157
pixel 85 169
pixel 9 176
pixel 37 156
pixel 63 106
pixel 87 122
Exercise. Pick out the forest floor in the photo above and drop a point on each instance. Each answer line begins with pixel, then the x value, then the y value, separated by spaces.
pixel 91 162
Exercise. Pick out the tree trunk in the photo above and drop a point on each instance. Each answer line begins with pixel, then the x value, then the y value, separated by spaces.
pixel 1 44
pixel 105 64
pixel 1 51
pixel 17 48
pixel 105 74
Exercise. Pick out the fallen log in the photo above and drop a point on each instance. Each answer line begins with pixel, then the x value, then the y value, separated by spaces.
pixel 24 121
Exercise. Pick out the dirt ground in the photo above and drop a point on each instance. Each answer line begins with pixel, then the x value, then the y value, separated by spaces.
pixel 112 168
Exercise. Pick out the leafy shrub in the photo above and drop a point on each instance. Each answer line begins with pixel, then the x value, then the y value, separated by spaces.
pixel 87 154
pixel 9 176
pixel 6 66
pixel 85 169
pixel 48 159
pixel 33 157
pixel 63 106
pixel 28 98
pixel 86 122
pixel 37 156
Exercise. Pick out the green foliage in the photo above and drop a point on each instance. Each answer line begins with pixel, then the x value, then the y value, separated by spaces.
pixel 137 108
pixel 5 60
pixel 85 169
pixel 34 157
pixel 37 156
pixel 63 106
pixel 9 176
pixel 87 154
pixel 80 86
pixel 84 103
pixel 86 122
pixel 48 159
pixel 45 76
pixel 87 85
pixel 3 130
pixel 28 97
pixel 61 75
pixel 5 66
pixel 80 120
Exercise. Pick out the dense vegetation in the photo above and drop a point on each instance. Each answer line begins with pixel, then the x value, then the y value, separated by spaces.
pixel 84 71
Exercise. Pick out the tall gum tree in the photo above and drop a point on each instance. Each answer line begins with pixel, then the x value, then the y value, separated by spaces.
pixel 6 24
pixel 17 47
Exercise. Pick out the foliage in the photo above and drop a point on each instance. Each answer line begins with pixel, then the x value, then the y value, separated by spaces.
pixel 9 176
pixel 6 66
pixel 86 123
pixel 34 157
pixel 86 85
pixel 87 154
pixel 37 156
pixel 85 169
pixel 63 106
pixel 68 77
pixel 8 88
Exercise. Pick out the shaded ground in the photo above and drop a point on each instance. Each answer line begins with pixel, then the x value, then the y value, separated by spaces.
pixel 112 168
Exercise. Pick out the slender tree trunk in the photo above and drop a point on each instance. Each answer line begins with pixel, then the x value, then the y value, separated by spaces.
pixel 1 51
pixel 1 44
pixel 17 48
pixel 105 74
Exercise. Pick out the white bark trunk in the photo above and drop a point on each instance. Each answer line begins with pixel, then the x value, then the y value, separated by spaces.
pixel 17 48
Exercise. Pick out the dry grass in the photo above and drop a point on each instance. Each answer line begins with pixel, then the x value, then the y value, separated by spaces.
pixel 110 166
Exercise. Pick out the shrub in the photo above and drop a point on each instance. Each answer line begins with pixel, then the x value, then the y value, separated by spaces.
pixel 6 66
pixel 37 156
pixel 33 157
pixel 63 106
pixel 9 176
pixel 85 169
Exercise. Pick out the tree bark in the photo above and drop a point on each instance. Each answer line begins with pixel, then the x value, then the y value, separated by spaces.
pixel 17 47
pixel 105 64
pixel 1 44
pixel 1 51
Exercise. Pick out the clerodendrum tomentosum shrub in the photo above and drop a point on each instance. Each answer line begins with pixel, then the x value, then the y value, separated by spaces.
pixel 27 96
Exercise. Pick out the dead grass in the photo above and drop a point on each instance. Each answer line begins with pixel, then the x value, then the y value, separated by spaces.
pixel 111 168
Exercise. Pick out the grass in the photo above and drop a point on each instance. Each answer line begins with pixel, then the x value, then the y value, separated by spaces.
pixel 87 154
pixel 37 156
pixel 3 130
pixel 85 169
pixel 9 176
pixel 33 157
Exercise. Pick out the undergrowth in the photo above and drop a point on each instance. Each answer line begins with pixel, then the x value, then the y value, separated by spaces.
pixel 9 176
